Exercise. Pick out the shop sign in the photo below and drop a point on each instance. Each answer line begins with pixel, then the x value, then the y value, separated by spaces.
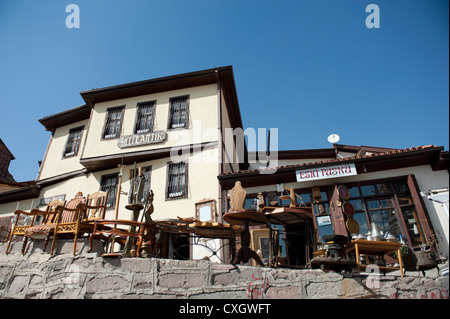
pixel 141 139
pixel 323 220
pixel 325 172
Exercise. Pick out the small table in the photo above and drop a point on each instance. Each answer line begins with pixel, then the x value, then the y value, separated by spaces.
pixel 246 218
pixel 374 247
pixel 287 216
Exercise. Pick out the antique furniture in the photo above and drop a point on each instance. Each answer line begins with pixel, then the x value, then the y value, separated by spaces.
pixel 42 230
pixel 130 245
pixel 289 216
pixel 79 216
pixel 333 257
pixel 373 247
pixel 237 215
pixel 109 230
pixel 246 218
pixel 200 232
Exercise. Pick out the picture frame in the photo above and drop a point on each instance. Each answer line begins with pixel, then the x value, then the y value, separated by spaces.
pixel 261 242
pixel 205 210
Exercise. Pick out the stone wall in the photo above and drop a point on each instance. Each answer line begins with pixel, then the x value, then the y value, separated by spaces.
pixel 39 275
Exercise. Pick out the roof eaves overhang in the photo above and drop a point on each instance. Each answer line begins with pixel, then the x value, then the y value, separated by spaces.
pixel 364 164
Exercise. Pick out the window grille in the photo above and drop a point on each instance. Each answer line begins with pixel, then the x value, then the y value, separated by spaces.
pixel 177 180
pixel 142 197
pixel 179 112
pixel 113 122
pixel 144 118
pixel 108 183
pixel 73 142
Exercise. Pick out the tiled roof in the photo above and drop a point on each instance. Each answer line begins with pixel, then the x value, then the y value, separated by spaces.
pixel 344 159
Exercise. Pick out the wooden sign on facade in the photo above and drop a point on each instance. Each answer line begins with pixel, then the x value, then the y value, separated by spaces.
pixel 141 139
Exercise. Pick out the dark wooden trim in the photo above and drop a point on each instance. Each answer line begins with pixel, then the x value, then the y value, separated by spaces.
pixel 76 114
pixel 99 163
pixel 60 178
pixel 368 164
pixel 23 193
pixel 421 210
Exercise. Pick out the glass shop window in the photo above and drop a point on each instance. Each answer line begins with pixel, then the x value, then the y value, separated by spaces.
pixel 385 203
pixel 323 216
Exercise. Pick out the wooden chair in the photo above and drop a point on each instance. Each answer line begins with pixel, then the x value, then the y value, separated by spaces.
pixel 109 229
pixel 40 231
pixel 80 219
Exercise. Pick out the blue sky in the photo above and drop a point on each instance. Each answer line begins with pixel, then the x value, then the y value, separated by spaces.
pixel 307 67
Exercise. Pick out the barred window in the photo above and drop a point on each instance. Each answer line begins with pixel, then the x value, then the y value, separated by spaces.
pixel 179 112
pixel 144 117
pixel 177 180
pixel 142 189
pixel 108 183
pixel 73 142
pixel 113 123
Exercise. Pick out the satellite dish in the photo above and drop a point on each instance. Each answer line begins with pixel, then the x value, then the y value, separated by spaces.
pixel 333 138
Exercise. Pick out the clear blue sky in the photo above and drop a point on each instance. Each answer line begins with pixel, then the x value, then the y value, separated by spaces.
pixel 307 67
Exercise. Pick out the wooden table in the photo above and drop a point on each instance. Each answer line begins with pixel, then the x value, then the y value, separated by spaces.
pixel 246 218
pixel 286 216
pixel 373 247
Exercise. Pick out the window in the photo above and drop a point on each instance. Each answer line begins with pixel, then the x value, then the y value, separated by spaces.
pixel 144 117
pixel 113 123
pixel 177 180
pixel 389 204
pixel 108 183
pixel 179 112
pixel 142 188
pixel 73 142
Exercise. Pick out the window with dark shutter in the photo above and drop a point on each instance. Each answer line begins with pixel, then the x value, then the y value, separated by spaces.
pixel 73 142
pixel 144 117
pixel 113 122
pixel 108 183
pixel 177 180
pixel 179 112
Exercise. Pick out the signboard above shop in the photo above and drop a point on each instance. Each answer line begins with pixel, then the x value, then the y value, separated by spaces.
pixel 141 139
pixel 312 174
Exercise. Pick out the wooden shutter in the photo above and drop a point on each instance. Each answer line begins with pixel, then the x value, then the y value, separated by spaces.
pixel 337 216
pixel 422 213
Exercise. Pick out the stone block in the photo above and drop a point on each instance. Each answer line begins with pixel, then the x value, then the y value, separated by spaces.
pixel 104 283
pixel 172 280
pixel 239 276
pixel 18 284
pixel 327 290
pixel 284 293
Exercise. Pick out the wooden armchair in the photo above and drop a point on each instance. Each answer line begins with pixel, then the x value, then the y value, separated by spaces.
pixel 80 219
pixel 109 229
pixel 40 231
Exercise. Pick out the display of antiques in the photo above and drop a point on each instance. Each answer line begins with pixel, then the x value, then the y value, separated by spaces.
pixel 334 257
pixel 421 260
pixel 237 215
pixel 141 236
